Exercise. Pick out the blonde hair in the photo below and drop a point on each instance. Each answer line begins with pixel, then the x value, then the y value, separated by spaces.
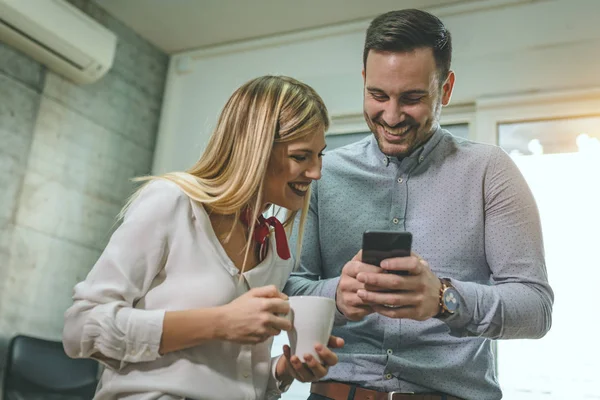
pixel 229 175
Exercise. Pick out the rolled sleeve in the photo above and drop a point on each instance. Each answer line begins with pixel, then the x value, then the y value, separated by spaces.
pixel 103 322
pixel 145 328
pixel 275 387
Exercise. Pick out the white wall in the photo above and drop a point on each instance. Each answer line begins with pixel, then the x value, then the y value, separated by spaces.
pixel 501 48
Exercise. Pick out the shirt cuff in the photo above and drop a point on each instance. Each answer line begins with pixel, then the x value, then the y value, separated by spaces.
pixel 329 289
pixel 460 320
pixel 274 392
pixel 143 332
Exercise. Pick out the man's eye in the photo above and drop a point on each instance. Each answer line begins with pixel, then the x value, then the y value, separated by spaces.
pixel 379 97
pixel 412 100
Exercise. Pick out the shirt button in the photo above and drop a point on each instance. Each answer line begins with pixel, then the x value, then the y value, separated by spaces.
pixel 399 180
pixel 390 352
pixel 388 376
pixel 395 220
pixel 246 374
pixel 421 159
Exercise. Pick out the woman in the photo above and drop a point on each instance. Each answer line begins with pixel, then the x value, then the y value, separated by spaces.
pixel 185 299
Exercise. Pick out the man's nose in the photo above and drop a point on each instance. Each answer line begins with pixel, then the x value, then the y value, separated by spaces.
pixel 393 113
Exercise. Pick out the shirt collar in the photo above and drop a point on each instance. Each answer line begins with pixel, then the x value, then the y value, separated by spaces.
pixel 419 155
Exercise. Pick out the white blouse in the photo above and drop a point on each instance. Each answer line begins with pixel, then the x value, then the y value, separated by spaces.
pixel 165 256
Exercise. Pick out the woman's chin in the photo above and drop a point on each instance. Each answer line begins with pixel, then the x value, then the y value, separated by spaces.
pixel 295 205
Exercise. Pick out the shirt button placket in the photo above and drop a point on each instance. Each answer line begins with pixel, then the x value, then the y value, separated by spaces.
pixel 398 211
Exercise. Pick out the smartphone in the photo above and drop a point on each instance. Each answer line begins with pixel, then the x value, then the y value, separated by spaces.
pixel 379 245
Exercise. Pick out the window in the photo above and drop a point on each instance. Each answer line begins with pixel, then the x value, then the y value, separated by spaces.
pixel 560 159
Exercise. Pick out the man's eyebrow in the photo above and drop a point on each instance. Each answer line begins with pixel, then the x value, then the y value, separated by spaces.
pixel 407 93
pixel 374 89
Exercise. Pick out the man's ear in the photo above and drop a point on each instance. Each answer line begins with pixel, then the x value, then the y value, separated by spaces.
pixel 447 88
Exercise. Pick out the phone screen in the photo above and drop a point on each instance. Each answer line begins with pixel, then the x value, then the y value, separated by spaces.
pixel 379 245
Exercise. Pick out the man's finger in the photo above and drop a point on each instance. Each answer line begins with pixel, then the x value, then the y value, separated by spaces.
pixel 354 267
pixel 406 264
pixel 398 299
pixel 389 282
pixel 381 280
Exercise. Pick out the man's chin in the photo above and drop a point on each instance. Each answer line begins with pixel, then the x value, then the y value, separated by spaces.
pixel 394 149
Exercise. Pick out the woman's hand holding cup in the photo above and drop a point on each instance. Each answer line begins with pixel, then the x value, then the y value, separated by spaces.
pixel 309 355
pixel 290 366
pixel 255 316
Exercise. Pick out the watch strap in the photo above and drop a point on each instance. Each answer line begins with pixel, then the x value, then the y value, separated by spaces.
pixel 442 310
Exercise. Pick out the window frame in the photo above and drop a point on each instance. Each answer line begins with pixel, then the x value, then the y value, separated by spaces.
pixel 491 112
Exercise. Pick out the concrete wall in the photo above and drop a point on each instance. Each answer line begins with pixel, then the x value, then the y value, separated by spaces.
pixel 67 153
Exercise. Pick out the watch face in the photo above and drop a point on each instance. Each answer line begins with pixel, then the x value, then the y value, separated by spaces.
pixel 450 299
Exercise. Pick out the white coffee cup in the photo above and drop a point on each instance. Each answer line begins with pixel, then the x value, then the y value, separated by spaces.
pixel 312 321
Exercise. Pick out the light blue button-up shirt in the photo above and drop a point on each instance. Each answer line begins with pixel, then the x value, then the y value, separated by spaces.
pixel 473 219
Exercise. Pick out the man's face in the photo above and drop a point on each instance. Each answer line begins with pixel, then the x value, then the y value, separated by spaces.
pixel 403 98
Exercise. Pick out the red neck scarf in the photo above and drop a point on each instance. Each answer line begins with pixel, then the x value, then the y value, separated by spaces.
pixel 262 231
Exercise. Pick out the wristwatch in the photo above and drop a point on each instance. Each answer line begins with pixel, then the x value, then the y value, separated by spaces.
pixel 448 299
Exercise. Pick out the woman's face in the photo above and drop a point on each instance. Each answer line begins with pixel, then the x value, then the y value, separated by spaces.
pixel 292 167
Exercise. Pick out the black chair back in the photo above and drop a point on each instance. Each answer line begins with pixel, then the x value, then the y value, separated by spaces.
pixel 40 369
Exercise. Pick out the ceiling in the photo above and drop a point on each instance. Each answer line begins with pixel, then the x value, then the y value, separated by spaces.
pixel 179 25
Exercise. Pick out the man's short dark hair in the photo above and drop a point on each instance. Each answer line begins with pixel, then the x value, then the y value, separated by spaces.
pixel 407 30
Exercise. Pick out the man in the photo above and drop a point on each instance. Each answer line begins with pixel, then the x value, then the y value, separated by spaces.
pixel 477 272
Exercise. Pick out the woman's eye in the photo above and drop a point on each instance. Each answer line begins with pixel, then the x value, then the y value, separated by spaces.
pixel 299 158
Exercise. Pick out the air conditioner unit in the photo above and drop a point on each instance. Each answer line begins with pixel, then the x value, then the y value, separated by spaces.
pixel 60 36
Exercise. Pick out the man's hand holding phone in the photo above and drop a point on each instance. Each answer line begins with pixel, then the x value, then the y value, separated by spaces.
pixel 347 300
pixel 409 289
